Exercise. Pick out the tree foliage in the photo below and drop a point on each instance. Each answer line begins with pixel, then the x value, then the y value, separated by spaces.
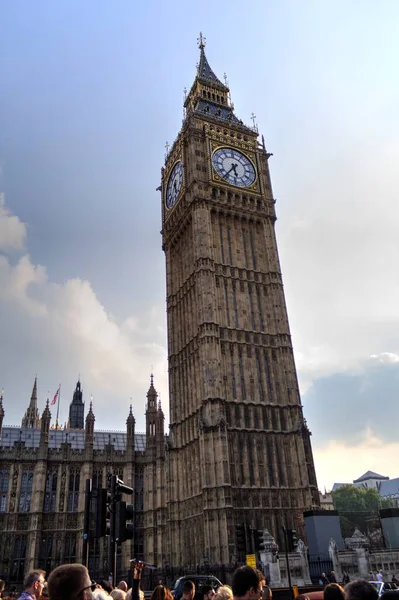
pixel 358 508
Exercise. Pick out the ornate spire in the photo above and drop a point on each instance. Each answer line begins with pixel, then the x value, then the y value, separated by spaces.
pixel 31 417
pixel 2 413
pixel 130 418
pixel 46 417
pixel 152 395
pixel 90 418
pixel 204 71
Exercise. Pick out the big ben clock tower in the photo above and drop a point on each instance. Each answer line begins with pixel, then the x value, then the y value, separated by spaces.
pixel 239 447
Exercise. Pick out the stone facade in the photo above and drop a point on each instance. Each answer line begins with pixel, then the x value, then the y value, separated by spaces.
pixel 239 447
pixel 42 482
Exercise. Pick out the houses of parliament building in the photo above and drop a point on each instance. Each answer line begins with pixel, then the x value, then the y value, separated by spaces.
pixel 238 448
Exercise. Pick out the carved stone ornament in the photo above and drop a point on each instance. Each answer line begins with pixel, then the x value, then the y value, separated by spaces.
pixel 301 548
pixel 332 548
pixel 269 542
pixel 358 540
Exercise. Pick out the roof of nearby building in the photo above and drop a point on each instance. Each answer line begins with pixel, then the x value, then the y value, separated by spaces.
pixel 76 438
pixel 369 475
pixel 389 488
pixel 336 486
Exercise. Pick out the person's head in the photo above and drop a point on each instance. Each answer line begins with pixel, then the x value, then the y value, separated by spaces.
pixel 333 591
pixel 118 594
pixel 246 583
pixel 2 586
pixel 207 592
pixel 224 592
pixel 106 585
pixel 188 591
pixel 323 574
pixel 161 592
pixel 34 582
pixel 70 582
pixel 122 585
pixel 360 589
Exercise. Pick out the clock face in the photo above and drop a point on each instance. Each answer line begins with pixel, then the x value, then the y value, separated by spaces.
pixel 175 183
pixel 234 167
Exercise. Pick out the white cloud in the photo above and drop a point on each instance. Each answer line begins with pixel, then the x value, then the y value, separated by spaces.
pixel 68 323
pixel 12 230
pixel 340 252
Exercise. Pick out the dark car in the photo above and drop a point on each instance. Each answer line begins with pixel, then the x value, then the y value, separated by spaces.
pixel 199 581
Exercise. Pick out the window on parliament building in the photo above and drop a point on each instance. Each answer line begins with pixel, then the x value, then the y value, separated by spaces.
pixel 4 479
pixel 70 548
pixel 25 493
pixel 73 492
pixel 50 492
pixel 46 551
pixel 18 559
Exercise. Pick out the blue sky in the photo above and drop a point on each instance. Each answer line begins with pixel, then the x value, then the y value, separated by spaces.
pixel 91 91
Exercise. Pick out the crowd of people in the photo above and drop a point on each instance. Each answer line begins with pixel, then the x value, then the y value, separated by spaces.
pixel 72 582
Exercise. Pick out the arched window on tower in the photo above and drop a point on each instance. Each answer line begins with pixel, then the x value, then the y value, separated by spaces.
pixel 50 493
pixel 4 479
pixel 73 491
pixel 70 548
pixel 46 552
pixel 26 491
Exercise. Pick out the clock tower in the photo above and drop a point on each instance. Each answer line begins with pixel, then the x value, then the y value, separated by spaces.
pixel 239 447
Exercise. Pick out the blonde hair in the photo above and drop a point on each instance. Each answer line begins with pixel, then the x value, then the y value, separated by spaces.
pixel 118 594
pixel 223 593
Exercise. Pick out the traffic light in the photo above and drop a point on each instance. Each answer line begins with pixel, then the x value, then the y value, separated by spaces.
pixel 123 512
pixel 292 539
pixel 102 527
pixel 241 541
pixel 258 539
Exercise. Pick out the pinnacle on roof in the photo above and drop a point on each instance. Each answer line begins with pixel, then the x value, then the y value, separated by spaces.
pixel 90 414
pixel 130 417
pixel 204 71
pixel 1 404
pixel 33 398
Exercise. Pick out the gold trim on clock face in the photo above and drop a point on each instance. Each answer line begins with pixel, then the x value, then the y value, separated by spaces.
pixel 174 185
pixel 234 167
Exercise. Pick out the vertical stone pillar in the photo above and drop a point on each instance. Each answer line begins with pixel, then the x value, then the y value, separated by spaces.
pixel 333 552
pixel 303 555
pixel 269 559
pixel 360 545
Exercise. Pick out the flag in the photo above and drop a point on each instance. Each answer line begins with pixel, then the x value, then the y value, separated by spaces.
pixel 57 393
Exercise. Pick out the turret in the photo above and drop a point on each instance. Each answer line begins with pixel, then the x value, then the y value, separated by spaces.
pixel 45 424
pixel 159 431
pixel 130 425
pixel 31 417
pixel 76 409
pixel 90 419
pixel 2 413
pixel 151 415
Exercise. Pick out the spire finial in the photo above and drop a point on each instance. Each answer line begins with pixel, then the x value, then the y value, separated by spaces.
pixel 152 378
pixel 226 83
pixel 253 117
pixel 167 150
pixel 201 40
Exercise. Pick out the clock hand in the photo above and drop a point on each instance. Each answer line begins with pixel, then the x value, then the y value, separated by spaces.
pixel 234 167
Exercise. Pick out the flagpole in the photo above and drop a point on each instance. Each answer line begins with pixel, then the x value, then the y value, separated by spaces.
pixel 58 406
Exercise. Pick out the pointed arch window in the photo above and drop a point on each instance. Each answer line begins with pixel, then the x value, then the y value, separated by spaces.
pixel 73 490
pixel 18 559
pixel 50 493
pixel 70 548
pixel 46 553
pixel 25 493
pixel 4 481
